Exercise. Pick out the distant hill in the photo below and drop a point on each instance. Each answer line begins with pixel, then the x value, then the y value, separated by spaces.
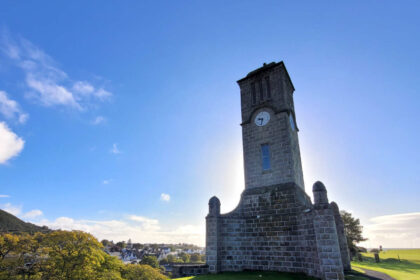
pixel 10 223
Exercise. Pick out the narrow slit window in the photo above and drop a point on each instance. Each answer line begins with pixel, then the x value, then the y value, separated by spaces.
pixel 267 82
pixel 254 95
pixel 292 122
pixel 265 153
pixel 261 91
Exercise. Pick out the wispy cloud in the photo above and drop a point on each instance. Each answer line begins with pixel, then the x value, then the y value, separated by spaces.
pixel 4 196
pixel 98 120
pixel 115 150
pixel 165 197
pixel 107 181
pixel 47 83
pixel 10 109
pixel 10 144
pixel 32 214
pixel 12 209
pixel 138 228
pixel 85 89
pixel 394 231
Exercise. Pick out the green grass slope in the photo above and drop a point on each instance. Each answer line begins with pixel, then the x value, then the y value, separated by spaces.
pixel 399 264
pixel 251 275
pixel 10 223
pixel 260 275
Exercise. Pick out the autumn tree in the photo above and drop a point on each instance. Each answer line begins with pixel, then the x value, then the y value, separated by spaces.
pixel 9 244
pixel 141 272
pixel 74 255
pixel 65 255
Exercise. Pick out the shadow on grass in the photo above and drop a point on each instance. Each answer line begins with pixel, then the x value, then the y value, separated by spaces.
pixel 355 275
pixel 391 264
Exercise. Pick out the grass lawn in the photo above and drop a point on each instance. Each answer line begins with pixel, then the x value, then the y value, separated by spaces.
pixel 255 275
pixel 408 268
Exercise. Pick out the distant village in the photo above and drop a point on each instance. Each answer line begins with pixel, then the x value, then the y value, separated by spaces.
pixel 166 254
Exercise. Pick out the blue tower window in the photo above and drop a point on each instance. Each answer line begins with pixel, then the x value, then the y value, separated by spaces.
pixel 265 152
pixel 292 122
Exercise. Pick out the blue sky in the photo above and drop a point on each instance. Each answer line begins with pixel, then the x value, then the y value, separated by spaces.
pixel 122 119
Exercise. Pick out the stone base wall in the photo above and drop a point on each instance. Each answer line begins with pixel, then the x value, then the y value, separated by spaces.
pixel 182 270
pixel 274 228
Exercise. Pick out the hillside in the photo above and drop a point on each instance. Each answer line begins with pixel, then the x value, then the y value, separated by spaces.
pixel 10 223
pixel 402 264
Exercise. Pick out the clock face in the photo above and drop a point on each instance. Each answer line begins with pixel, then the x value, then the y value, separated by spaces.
pixel 262 118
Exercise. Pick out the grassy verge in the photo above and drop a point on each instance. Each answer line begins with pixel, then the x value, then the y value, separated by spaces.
pixel 256 275
pixel 399 264
pixel 251 275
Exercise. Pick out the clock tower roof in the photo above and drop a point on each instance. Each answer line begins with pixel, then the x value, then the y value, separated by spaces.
pixel 264 68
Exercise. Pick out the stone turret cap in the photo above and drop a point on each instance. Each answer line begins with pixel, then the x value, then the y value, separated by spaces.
pixel 214 201
pixel 319 187
pixel 334 206
pixel 320 194
pixel 214 206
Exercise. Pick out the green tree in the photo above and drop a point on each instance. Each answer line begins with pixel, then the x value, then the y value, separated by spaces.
pixel 150 260
pixel 195 258
pixel 137 246
pixel 8 243
pixel 74 255
pixel 353 231
pixel 9 247
pixel 163 261
pixel 185 257
pixel 141 272
pixel 106 242
pixel 203 258
pixel 121 244
pixel 171 258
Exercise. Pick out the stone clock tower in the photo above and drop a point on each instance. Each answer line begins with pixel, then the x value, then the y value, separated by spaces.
pixel 275 226
pixel 269 131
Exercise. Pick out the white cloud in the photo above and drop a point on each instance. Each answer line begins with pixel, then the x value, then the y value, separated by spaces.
pixel 102 94
pixel 11 109
pixel 4 196
pixel 32 214
pixel 48 84
pixel 146 223
pixel 106 182
pixel 12 209
pixel 165 197
pixel 115 149
pixel 394 231
pixel 83 87
pixel 98 120
pixel 50 93
pixel 10 144
pixel 138 228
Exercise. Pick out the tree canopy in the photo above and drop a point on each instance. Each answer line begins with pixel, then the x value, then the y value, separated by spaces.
pixel 64 255
pixel 353 231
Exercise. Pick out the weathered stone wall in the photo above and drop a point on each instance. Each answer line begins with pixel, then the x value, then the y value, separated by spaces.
pixel 344 248
pixel 276 228
pixel 212 235
pixel 278 133
pixel 284 149
pixel 182 270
